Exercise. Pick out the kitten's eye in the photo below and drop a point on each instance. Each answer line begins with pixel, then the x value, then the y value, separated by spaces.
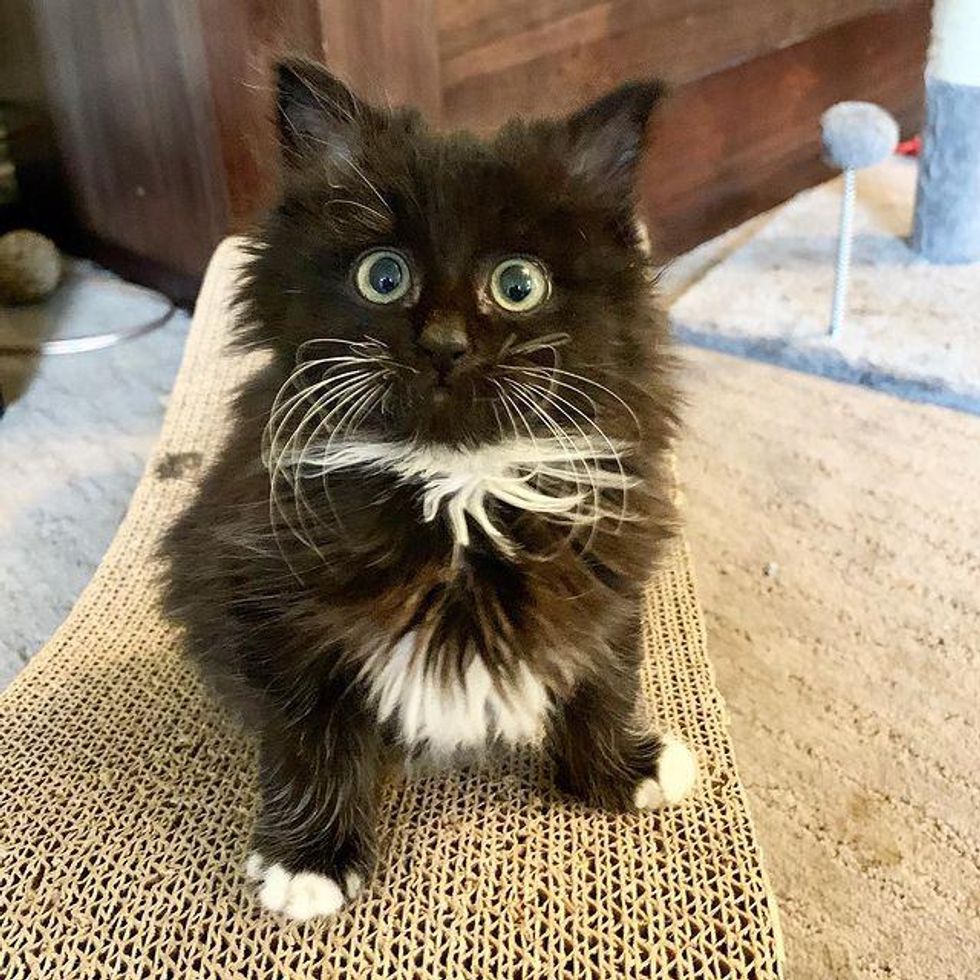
pixel 382 276
pixel 519 284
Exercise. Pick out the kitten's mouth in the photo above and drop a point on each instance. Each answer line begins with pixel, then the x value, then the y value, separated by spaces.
pixel 444 409
pixel 441 388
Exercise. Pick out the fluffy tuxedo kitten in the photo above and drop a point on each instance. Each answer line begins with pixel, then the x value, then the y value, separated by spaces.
pixel 431 526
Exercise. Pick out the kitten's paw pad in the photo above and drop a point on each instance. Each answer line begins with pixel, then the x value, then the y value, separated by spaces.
pixel 301 896
pixel 677 772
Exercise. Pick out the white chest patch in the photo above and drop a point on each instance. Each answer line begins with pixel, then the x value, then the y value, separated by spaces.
pixel 568 479
pixel 466 713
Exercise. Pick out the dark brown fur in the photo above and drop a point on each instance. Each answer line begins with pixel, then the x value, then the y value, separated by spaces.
pixel 282 627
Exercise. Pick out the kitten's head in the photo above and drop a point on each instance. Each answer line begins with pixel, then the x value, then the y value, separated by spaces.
pixel 435 288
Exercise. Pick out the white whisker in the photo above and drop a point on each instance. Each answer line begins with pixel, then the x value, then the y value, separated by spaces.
pixel 348 404
pixel 548 373
pixel 358 204
pixel 371 186
pixel 281 414
pixel 280 462
pixel 564 406
pixel 578 466
pixel 338 402
pixel 354 406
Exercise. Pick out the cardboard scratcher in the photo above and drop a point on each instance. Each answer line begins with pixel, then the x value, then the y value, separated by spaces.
pixel 126 798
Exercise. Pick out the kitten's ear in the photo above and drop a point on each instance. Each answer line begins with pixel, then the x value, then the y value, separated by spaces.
pixel 318 113
pixel 608 136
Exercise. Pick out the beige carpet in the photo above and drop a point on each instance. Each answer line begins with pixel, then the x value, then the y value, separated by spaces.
pixel 836 538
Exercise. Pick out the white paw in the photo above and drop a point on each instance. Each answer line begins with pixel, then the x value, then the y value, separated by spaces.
pixel 301 896
pixel 677 772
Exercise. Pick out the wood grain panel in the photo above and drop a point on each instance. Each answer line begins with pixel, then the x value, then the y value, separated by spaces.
pixel 465 25
pixel 242 40
pixel 500 58
pixel 740 141
pixel 387 49
pixel 128 89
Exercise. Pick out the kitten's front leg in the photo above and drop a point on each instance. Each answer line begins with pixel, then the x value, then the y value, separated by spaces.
pixel 602 757
pixel 313 844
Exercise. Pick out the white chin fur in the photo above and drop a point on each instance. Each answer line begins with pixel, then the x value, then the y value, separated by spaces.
pixel 301 896
pixel 462 483
pixel 677 772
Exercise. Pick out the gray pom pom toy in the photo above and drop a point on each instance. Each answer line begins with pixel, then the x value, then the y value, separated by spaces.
pixel 855 135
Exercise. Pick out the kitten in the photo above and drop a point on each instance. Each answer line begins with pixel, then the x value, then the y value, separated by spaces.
pixel 431 526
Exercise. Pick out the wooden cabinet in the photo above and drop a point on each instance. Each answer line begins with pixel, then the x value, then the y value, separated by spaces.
pixel 161 109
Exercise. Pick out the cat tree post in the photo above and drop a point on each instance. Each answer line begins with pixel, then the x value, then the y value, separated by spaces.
pixel 947 207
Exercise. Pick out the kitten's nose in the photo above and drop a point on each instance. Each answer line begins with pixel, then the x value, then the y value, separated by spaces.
pixel 444 337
